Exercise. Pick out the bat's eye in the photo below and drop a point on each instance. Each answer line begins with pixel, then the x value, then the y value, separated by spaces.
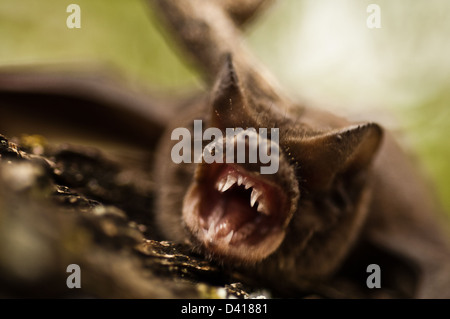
pixel 237 213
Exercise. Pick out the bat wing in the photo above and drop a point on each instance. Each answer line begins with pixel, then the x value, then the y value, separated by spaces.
pixel 405 220
pixel 74 107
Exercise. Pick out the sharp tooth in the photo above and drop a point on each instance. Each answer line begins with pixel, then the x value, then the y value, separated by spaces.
pixel 220 184
pixel 248 185
pixel 254 197
pixel 240 180
pixel 228 238
pixel 230 182
pixel 262 208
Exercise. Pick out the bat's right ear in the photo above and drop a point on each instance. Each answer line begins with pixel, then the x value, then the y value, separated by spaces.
pixel 227 99
pixel 346 151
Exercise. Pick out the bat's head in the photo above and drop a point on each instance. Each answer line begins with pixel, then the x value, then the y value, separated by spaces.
pixel 295 199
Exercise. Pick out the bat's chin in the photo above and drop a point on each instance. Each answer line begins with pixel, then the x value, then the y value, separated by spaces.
pixel 236 214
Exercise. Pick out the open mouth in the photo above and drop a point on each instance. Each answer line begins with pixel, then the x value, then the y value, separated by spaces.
pixel 236 213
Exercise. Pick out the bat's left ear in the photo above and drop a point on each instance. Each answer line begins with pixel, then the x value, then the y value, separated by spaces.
pixel 227 100
pixel 345 151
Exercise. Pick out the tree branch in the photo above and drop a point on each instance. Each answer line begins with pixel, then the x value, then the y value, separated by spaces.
pixel 244 10
pixel 207 32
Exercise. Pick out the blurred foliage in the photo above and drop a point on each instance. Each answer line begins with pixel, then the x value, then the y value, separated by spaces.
pixel 320 49
pixel 116 34
pixel 428 127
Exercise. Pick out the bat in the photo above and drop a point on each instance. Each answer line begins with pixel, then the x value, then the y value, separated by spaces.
pixel 342 189
pixel 345 195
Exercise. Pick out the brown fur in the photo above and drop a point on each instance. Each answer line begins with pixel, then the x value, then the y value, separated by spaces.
pixel 349 197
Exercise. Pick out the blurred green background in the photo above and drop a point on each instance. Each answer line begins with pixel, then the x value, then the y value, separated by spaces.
pixel 321 50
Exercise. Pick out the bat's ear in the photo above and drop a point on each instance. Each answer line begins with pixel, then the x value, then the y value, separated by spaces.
pixel 227 99
pixel 344 151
